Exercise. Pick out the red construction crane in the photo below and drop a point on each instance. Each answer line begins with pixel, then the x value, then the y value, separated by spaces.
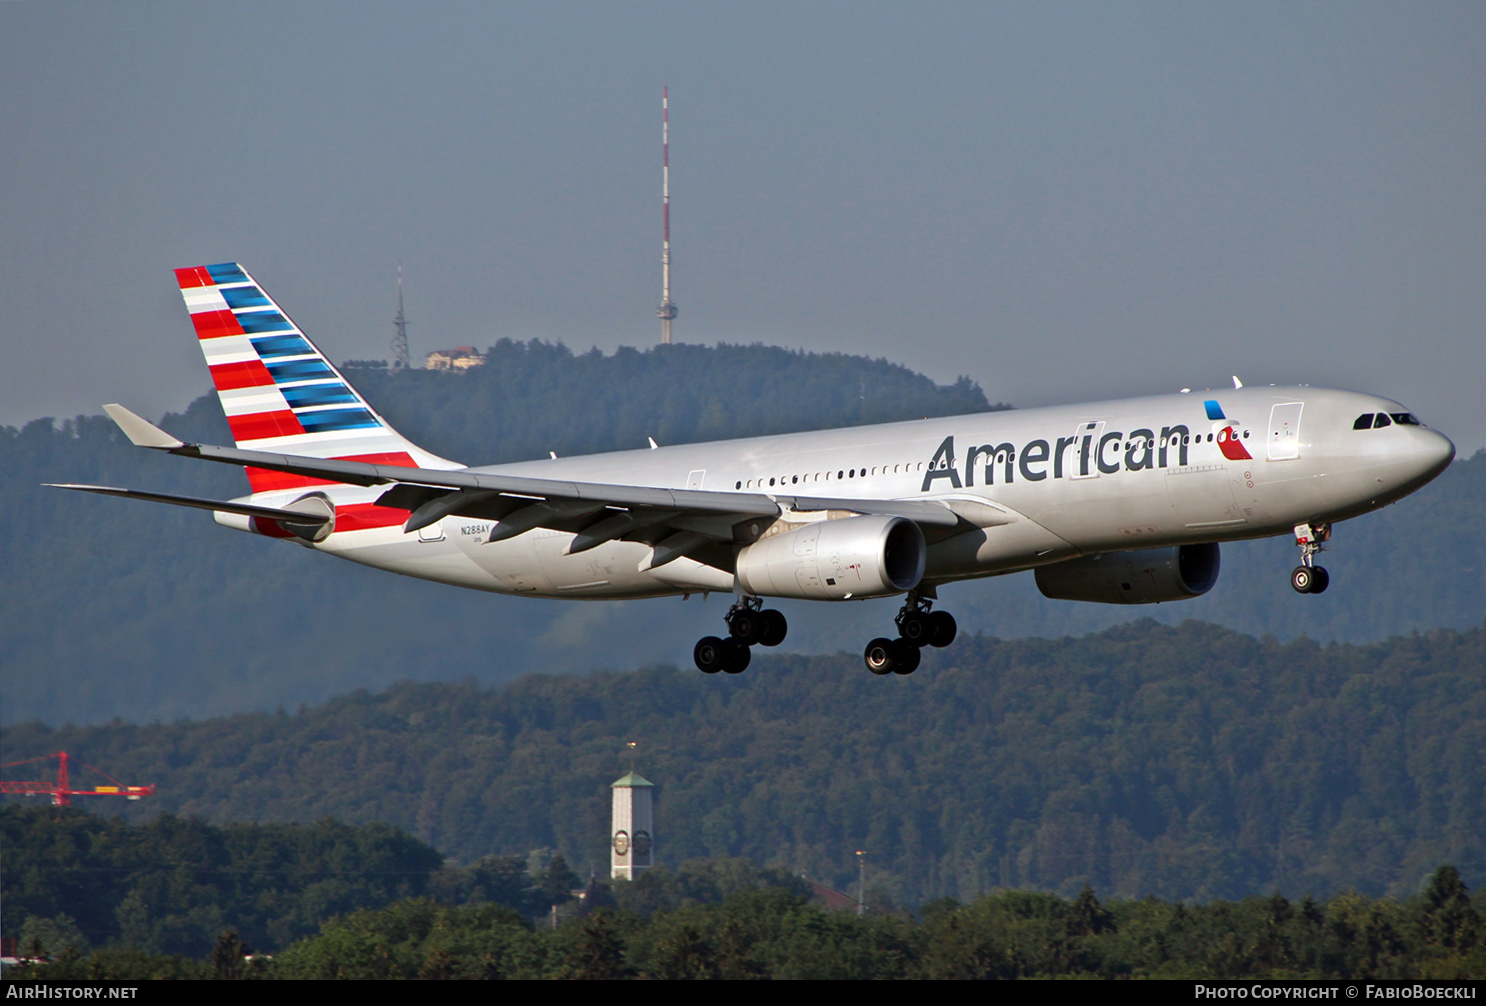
pixel 62 793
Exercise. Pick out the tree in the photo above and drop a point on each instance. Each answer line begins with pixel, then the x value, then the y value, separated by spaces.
pixel 1448 919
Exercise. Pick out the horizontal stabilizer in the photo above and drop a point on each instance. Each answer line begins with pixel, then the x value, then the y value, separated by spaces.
pixel 141 432
pixel 246 509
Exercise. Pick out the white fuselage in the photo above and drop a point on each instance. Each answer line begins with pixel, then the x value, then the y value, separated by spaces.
pixel 1031 487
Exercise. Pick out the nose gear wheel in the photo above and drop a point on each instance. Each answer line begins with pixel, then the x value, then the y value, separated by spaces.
pixel 1308 578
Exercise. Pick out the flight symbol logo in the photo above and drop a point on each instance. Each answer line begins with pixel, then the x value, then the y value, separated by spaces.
pixel 1226 435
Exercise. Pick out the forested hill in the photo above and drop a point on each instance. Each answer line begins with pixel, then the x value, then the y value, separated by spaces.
pixel 115 608
pixel 531 398
pixel 1180 762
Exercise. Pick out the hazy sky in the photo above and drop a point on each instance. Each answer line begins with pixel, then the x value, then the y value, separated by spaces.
pixel 1065 202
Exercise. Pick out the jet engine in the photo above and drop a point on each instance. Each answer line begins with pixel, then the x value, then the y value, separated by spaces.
pixel 1142 577
pixel 833 560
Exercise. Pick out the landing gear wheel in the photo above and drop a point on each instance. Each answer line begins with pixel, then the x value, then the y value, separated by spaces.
pixel 775 627
pixel 942 628
pixel 710 654
pixel 881 654
pixel 917 628
pixel 737 657
pixel 747 626
pixel 908 657
pixel 891 656
pixel 1308 578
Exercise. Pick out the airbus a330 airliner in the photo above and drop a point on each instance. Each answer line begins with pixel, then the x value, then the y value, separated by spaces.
pixel 1120 502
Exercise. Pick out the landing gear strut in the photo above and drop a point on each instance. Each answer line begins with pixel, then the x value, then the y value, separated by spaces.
pixel 1308 578
pixel 918 627
pixel 749 622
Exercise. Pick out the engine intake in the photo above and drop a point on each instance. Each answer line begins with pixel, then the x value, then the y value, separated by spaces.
pixel 1146 576
pixel 833 560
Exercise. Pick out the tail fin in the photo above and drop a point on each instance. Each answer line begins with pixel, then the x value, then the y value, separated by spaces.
pixel 278 390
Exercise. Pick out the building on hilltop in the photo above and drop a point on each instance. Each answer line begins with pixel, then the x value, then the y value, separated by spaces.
pixel 458 358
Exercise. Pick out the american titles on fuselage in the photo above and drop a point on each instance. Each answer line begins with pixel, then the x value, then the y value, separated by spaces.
pixel 1089 452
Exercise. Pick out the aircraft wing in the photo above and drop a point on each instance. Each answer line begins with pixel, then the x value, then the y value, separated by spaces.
pixel 596 512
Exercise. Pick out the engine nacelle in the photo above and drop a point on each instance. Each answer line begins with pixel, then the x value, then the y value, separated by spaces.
pixel 833 560
pixel 1142 577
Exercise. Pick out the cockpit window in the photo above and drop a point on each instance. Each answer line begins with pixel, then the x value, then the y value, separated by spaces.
pixel 1371 421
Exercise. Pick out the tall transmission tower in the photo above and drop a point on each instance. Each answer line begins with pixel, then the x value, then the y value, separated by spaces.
pixel 399 330
pixel 667 309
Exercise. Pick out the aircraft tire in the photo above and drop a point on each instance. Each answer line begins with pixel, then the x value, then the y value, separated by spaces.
pixel 1303 579
pixel 738 656
pixel 880 656
pixel 747 627
pixel 917 628
pixel 1322 580
pixel 710 654
pixel 908 657
pixel 944 628
pixel 776 627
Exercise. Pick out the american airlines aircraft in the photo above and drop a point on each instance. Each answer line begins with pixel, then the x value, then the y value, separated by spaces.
pixel 1118 502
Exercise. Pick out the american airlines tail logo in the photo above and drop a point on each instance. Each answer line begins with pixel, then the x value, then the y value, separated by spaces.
pixel 1226 436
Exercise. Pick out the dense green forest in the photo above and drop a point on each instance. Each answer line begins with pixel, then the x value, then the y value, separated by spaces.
pixel 170 885
pixel 725 919
pixel 1179 762
pixel 117 609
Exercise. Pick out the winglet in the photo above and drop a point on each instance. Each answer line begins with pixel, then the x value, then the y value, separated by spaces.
pixel 140 432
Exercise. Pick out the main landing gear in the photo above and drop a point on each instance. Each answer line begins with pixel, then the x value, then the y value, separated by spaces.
pixel 1308 578
pixel 749 622
pixel 917 627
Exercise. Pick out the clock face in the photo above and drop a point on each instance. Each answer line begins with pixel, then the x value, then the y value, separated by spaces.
pixel 621 842
pixel 642 843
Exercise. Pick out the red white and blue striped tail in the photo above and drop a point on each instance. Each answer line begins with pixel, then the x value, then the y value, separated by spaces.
pixel 278 390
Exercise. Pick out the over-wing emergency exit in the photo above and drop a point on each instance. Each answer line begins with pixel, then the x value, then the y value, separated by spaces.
pixel 1119 502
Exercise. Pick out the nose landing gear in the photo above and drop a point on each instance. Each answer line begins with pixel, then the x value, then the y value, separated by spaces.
pixel 749 622
pixel 918 627
pixel 1308 578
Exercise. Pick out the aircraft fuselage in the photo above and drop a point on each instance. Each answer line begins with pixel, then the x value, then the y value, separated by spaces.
pixel 1032 487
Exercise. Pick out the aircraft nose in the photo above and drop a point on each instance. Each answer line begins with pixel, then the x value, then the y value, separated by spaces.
pixel 1429 453
pixel 1435 451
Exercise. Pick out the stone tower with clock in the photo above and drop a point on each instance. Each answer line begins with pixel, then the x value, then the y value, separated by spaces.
pixel 631 839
